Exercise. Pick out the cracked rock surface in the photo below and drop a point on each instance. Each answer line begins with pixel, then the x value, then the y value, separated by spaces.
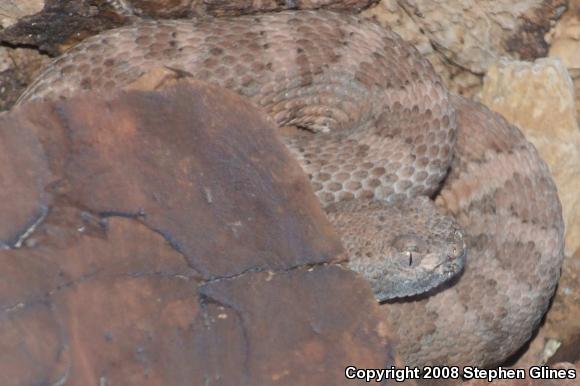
pixel 162 238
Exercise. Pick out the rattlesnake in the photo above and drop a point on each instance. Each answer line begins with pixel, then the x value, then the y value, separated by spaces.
pixel 380 125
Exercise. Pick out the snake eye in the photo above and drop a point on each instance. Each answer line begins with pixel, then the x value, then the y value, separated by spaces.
pixel 410 255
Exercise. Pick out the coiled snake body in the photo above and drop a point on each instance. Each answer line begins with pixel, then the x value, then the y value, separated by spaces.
pixel 380 133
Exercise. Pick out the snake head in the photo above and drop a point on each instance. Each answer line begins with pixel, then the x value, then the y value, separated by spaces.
pixel 420 263
pixel 403 249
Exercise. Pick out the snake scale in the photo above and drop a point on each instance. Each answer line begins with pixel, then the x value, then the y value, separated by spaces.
pixel 378 125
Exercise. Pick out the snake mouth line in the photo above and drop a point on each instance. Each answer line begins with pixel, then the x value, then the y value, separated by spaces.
pixel 446 283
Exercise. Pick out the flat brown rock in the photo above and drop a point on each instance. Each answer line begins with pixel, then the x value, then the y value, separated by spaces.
pixel 93 300
pixel 168 238
pixel 257 306
pixel 24 172
pixel 201 182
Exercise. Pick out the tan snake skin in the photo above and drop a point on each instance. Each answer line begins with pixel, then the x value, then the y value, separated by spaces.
pixel 384 129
